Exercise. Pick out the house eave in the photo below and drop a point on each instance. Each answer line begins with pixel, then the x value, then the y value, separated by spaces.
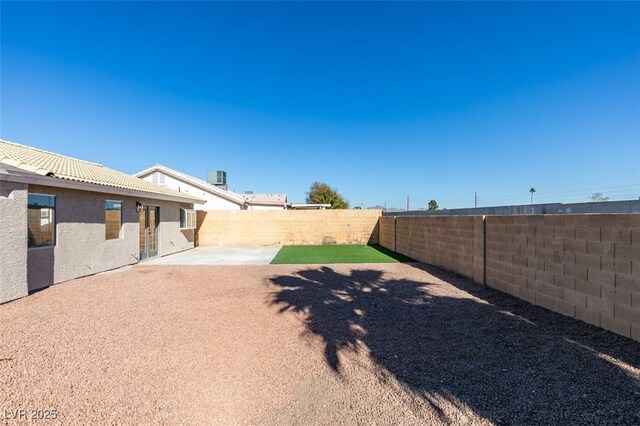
pixel 35 179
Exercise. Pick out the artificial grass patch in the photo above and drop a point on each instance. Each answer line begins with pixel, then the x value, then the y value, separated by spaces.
pixel 337 254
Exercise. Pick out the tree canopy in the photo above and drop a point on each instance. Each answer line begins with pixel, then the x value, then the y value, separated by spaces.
pixel 598 197
pixel 321 193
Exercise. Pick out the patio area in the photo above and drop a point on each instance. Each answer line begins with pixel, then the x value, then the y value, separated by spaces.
pixel 220 256
pixel 307 344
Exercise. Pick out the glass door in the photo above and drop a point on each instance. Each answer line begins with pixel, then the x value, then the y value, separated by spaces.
pixel 152 235
pixel 149 218
pixel 143 233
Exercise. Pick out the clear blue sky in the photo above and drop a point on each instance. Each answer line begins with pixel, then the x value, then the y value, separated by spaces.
pixel 381 100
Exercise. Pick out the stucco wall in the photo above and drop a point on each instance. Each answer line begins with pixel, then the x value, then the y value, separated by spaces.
pixel 13 241
pixel 292 227
pixel 81 248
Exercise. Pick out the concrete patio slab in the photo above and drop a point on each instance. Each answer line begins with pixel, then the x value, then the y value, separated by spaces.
pixel 220 256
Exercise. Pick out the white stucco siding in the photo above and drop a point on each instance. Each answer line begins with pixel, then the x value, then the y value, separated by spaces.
pixel 81 247
pixel 213 201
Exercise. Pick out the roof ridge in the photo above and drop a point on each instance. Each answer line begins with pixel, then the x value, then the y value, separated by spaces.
pixel 49 152
pixel 194 180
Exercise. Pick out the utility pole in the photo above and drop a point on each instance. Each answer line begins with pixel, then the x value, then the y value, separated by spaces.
pixel 476 199
pixel 385 206
pixel 407 202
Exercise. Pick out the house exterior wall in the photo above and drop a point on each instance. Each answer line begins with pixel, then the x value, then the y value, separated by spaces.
pixel 81 248
pixel 213 202
pixel 13 241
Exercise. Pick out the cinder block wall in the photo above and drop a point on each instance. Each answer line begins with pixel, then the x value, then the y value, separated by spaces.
pixel 452 242
pixel 582 266
pixel 387 232
pixel 287 227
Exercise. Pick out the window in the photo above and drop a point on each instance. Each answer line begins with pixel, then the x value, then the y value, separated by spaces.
pixel 187 219
pixel 41 220
pixel 157 178
pixel 113 219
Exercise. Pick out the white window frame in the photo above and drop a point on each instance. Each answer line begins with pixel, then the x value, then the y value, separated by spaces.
pixel 190 219
pixel 158 178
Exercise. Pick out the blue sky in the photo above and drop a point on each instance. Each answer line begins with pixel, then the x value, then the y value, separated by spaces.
pixel 381 100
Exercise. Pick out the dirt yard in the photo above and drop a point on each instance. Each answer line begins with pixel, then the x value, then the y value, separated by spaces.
pixel 340 344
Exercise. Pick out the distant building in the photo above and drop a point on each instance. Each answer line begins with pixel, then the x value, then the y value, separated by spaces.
pixel 216 196
pixel 308 206
pixel 265 201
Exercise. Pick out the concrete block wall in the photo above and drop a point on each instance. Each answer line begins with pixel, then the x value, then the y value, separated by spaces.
pixel 387 232
pixel 287 227
pixel 583 266
pixel 455 243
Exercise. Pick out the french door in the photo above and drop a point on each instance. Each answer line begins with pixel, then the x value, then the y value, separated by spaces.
pixel 149 221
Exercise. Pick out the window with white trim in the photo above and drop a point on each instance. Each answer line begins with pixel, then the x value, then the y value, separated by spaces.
pixel 158 178
pixel 187 218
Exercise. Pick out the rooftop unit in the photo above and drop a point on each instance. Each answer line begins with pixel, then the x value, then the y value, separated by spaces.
pixel 217 178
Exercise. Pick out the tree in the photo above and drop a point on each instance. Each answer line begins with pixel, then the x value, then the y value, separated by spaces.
pixel 321 193
pixel 598 196
pixel 433 205
pixel 532 191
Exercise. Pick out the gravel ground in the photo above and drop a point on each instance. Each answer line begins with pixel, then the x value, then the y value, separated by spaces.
pixel 339 344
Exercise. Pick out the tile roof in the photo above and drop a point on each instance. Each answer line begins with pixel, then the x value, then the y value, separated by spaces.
pixel 59 166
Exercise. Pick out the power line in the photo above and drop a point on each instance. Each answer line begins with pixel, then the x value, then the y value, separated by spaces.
pixel 590 191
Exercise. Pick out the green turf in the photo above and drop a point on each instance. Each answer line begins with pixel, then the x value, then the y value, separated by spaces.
pixel 336 254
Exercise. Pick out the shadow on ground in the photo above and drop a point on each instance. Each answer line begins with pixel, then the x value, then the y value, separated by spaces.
pixel 508 361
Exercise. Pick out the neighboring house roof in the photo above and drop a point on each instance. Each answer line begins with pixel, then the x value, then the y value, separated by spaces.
pixel 198 183
pixel 241 199
pixel 308 206
pixel 56 166
pixel 266 199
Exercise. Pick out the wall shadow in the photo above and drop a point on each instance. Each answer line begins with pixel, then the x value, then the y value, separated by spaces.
pixel 508 362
